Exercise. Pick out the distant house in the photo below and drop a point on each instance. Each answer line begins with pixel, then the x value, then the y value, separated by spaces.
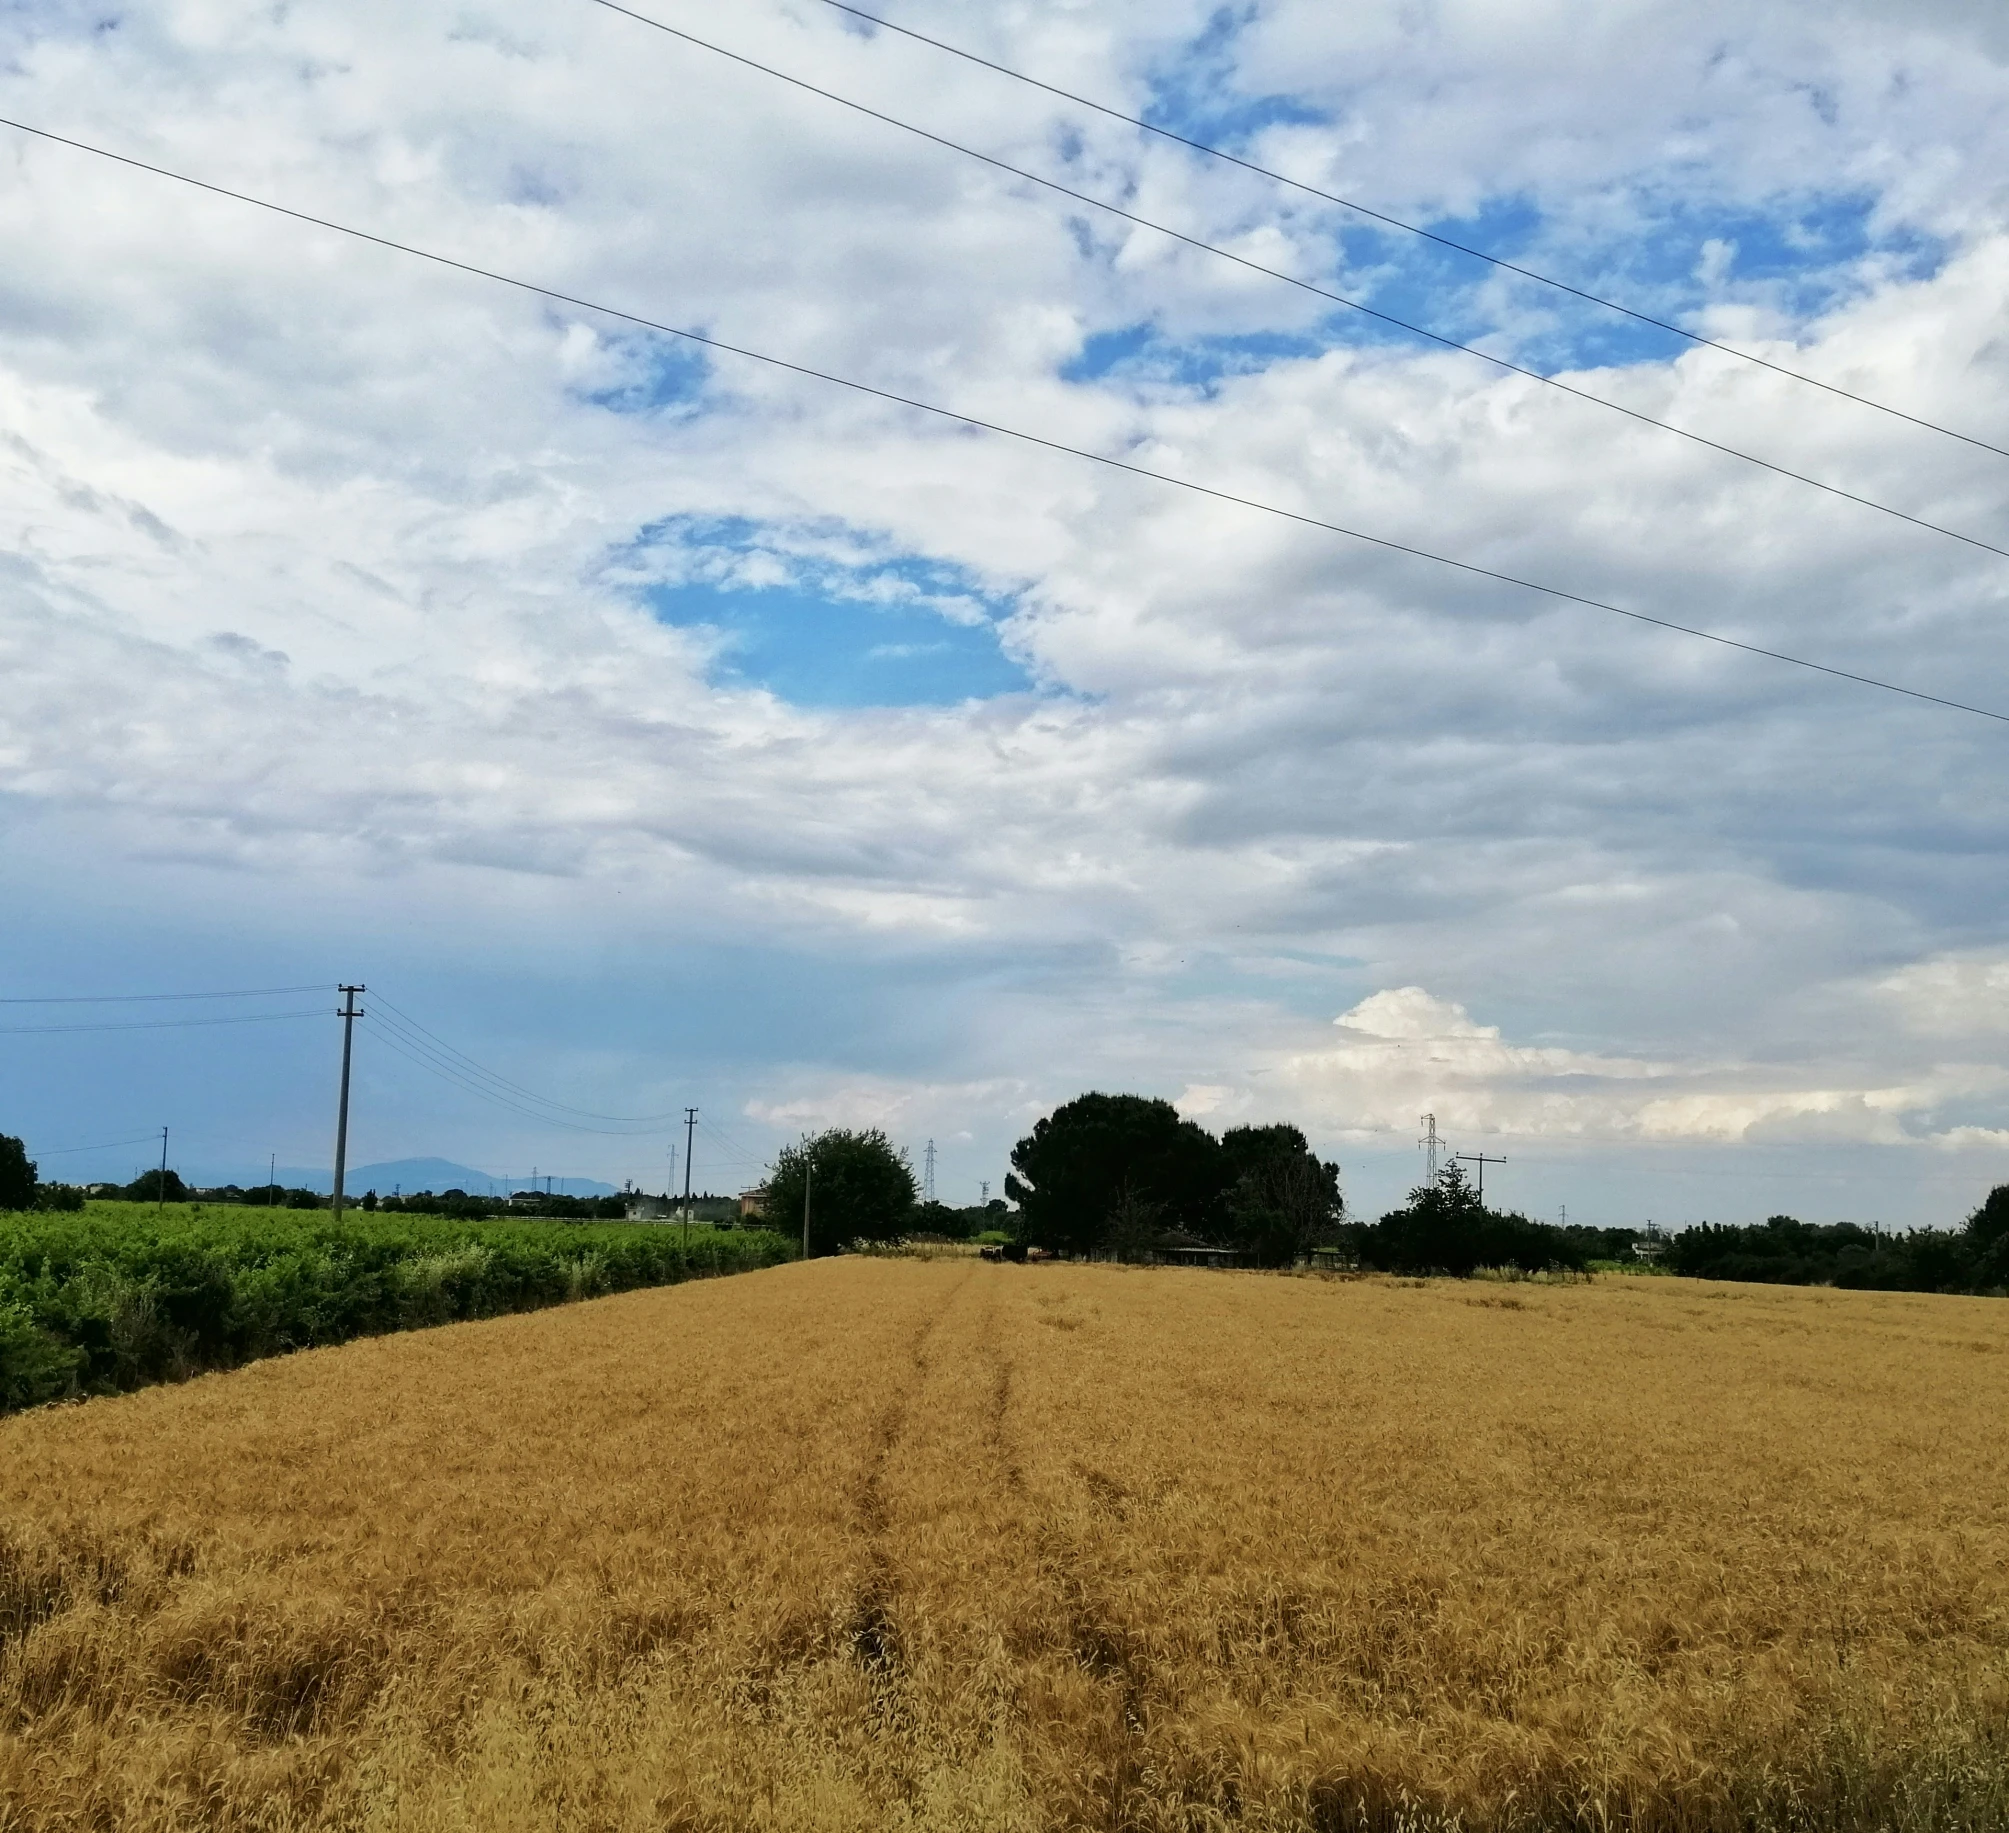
pixel 1194 1254
pixel 639 1208
pixel 753 1203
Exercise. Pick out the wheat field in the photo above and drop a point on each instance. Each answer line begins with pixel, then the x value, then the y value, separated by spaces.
pixel 931 1545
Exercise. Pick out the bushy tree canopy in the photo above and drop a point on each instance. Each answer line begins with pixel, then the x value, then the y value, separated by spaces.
pixel 1282 1200
pixel 1782 1250
pixel 1444 1228
pixel 17 1174
pixel 860 1188
pixel 1104 1156
pixel 156 1186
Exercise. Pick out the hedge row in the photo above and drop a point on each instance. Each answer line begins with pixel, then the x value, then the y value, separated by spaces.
pixel 118 1296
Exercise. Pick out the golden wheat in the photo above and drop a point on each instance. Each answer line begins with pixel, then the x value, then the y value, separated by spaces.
pixel 886 1544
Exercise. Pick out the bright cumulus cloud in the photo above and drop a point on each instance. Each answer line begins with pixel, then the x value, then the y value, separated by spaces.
pixel 664 727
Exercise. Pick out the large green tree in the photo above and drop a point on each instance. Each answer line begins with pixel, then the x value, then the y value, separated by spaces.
pixel 1282 1199
pixel 156 1186
pixel 17 1174
pixel 1103 1161
pixel 860 1188
pixel 1988 1239
pixel 1446 1229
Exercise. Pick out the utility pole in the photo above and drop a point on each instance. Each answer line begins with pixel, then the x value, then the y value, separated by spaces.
pixel 928 1176
pixel 160 1190
pixel 1430 1143
pixel 1482 1161
pixel 690 1132
pixel 271 1176
pixel 984 1184
pixel 808 1180
pixel 348 1015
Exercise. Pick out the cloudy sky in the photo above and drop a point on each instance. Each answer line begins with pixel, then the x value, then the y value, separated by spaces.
pixel 657 727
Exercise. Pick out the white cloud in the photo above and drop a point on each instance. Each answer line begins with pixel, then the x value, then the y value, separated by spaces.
pixel 1953 996
pixel 317 564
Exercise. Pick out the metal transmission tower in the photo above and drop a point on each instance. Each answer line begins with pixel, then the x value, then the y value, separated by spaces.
pixel 928 1173
pixel 348 1015
pixel 1431 1145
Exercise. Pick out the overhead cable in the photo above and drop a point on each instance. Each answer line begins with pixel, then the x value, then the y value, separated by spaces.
pixel 440 1067
pixel 141 1139
pixel 408 1045
pixel 1306 286
pixel 161 1024
pixel 468 1062
pixel 115 999
pixel 1415 229
pixel 1469 568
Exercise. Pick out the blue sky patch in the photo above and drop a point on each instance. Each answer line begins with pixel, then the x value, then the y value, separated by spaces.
pixel 1141 352
pixel 1677 255
pixel 814 650
pixel 846 631
pixel 659 372
pixel 1193 97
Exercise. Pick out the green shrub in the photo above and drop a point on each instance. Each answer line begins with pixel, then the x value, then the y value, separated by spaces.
pixel 115 1296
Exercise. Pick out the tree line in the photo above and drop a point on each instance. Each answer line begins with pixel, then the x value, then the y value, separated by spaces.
pixel 1127 1177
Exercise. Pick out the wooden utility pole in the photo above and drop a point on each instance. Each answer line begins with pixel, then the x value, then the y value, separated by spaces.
pixel 1482 1161
pixel 690 1131
pixel 808 1180
pixel 348 1015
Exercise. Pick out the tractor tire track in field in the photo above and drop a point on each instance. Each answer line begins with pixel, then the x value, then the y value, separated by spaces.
pixel 1004 1381
pixel 1094 1636
pixel 874 1631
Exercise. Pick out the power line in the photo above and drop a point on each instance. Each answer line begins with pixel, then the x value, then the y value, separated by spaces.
pixel 114 999
pixel 1428 235
pixel 640 1120
pixel 735 1153
pixel 441 1068
pixel 418 1052
pixel 108 1146
pixel 159 1024
pixel 1307 286
pixel 1467 567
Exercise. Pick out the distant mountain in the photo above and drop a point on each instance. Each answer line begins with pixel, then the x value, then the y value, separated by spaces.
pixel 409 1174
pixel 444 1174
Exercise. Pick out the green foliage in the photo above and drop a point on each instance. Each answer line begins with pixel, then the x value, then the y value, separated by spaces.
pixel 1785 1251
pixel 939 1219
pixel 1446 1229
pixel 59 1196
pixel 117 1296
pixel 1282 1200
pixel 157 1186
pixel 17 1174
pixel 860 1188
pixel 1101 1154
pixel 958 1224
